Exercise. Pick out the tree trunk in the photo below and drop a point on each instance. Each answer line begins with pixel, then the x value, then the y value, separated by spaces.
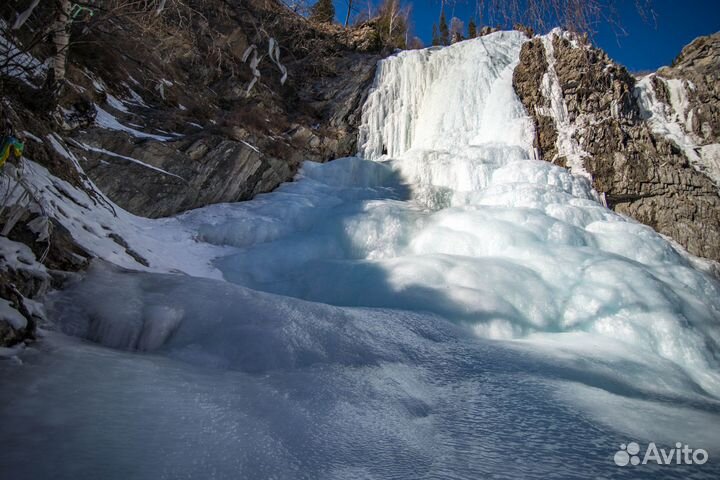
pixel 347 17
pixel 61 38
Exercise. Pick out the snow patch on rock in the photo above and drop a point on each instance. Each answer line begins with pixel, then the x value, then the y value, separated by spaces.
pixel 674 121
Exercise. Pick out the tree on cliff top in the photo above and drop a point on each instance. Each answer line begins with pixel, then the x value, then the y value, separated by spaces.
pixel 472 29
pixel 323 11
pixel 444 30
pixel 435 36
pixel 393 24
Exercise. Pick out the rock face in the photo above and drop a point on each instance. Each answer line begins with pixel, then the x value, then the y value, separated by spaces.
pixel 236 160
pixel 689 95
pixel 595 118
pixel 229 131
pixel 698 63
pixel 225 108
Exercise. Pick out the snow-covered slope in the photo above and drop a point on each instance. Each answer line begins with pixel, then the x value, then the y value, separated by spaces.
pixel 427 312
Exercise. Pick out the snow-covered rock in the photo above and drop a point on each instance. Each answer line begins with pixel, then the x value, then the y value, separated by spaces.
pixel 649 146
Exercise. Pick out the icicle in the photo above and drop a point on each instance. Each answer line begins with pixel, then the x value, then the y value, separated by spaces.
pixel 254 62
pixel 274 52
pixel 160 8
pixel 247 52
pixel 23 17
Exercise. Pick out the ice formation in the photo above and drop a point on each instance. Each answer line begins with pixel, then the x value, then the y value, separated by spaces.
pixel 675 122
pixel 477 231
pixel 443 305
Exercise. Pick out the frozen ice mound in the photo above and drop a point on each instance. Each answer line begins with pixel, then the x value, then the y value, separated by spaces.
pixel 454 217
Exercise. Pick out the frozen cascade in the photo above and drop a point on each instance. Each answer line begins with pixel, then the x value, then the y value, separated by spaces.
pixel 442 306
pixel 450 114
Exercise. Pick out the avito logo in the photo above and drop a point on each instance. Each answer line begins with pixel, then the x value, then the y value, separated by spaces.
pixel 680 455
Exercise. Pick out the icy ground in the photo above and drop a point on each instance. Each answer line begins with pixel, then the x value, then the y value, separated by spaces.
pixel 446 307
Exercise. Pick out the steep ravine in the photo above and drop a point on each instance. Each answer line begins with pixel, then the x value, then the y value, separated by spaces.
pixel 171 141
pixel 453 308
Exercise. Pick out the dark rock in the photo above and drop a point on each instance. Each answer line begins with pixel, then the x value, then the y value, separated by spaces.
pixel 231 144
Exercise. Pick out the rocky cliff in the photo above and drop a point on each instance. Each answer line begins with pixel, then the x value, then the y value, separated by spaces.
pixel 207 102
pixel 649 145
pixel 234 96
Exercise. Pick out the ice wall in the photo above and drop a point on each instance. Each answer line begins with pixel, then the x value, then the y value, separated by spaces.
pixel 451 114
pixel 457 219
pixel 444 99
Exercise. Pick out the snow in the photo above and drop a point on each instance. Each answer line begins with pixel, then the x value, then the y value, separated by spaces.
pixel 106 120
pixel 135 97
pixel 429 310
pixel 251 147
pixel 267 386
pixel 675 122
pixel 34 138
pixel 566 144
pixel 134 160
pixel 116 103
pixel 20 65
pixel 501 259
pixel 274 53
pixel 56 143
pixel 12 353
pixel 18 256
pixel 165 244
pixel 10 315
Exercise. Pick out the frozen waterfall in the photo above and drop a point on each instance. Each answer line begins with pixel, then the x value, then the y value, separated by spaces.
pixel 444 305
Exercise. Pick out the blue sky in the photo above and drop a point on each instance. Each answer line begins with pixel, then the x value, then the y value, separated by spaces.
pixel 646 46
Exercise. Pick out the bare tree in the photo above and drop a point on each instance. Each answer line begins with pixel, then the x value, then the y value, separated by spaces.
pixel 61 40
pixel 365 13
pixel 53 22
pixel 576 15
pixel 301 7
pixel 393 22
pixel 415 43
pixel 347 17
